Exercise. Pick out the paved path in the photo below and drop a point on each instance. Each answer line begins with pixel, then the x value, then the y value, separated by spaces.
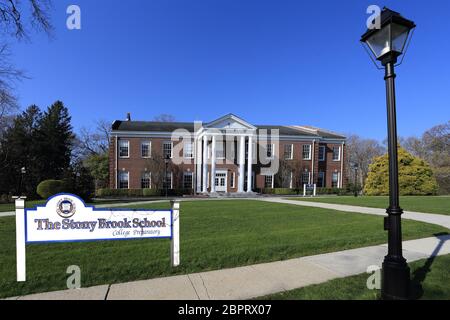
pixel 439 219
pixel 255 280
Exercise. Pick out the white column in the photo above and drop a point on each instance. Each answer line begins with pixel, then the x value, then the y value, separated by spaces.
pixel 342 166
pixel 198 159
pixel 20 239
pixel 241 164
pixel 175 241
pixel 205 163
pixel 213 164
pixel 249 164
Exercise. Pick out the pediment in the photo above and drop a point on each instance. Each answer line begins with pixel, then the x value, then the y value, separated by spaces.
pixel 230 121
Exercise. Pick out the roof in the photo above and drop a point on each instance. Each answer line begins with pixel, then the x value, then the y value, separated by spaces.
pixel 151 126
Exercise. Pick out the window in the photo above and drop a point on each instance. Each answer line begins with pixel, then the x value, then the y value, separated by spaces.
pixel 188 152
pixel 167 149
pixel 305 177
pixel 306 152
pixel 322 153
pixel 220 154
pixel 232 177
pixel 321 179
pixel 187 180
pixel 124 148
pixel 270 151
pixel 167 183
pixel 146 149
pixel 146 182
pixel 288 151
pixel 335 180
pixel 123 179
pixel 268 182
pixel 336 153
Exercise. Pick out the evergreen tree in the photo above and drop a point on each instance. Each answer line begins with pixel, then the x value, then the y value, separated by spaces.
pixel 18 149
pixel 54 141
pixel 415 176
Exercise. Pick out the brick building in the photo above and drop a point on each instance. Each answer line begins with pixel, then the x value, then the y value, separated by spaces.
pixel 187 155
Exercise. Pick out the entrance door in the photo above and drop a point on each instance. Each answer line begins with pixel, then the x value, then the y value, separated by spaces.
pixel 221 181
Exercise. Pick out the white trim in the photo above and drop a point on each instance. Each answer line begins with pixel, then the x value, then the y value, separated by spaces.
pixel 339 154
pixel 128 147
pixel 292 151
pixel 310 150
pixel 233 176
pixel 171 148
pixel 149 148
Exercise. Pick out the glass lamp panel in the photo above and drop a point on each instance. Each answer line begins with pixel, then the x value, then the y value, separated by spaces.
pixel 399 37
pixel 379 42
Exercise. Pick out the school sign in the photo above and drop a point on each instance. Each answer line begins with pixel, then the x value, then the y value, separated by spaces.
pixel 66 218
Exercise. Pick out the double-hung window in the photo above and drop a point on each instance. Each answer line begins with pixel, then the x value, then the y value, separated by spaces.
pixel 335 180
pixel 187 180
pixel 336 153
pixel 288 151
pixel 306 152
pixel 124 148
pixel 167 149
pixel 268 181
pixel 146 149
pixel 322 153
pixel 188 152
pixel 124 178
pixel 146 180
pixel 270 151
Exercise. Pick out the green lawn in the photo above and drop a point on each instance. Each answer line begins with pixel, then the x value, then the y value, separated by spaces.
pixel 430 280
pixel 427 204
pixel 214 235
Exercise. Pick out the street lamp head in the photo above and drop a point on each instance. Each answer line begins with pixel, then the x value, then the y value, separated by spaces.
pixel 388 41
pixel 23 170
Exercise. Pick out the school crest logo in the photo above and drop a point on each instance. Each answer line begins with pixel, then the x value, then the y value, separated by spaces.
pixel 65 208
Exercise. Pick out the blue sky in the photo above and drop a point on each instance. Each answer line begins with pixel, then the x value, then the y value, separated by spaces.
pixel 268 61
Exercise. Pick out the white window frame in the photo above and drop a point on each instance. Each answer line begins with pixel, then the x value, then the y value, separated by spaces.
pixel 185 154
pixel 309 177
pixel 149 143
pixel 127 173
pixel 303 152
pixel 339 154
pixel 150 179
pixel 188 173
pixel 171 148
pixel 291 152
pixel 128 148
pixel 265 180
pixel 337 180
pixel 233 180
pixel 171 179
pixel 321 175
pixel 324 153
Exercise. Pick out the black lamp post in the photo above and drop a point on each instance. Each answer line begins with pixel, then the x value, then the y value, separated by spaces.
pixel 387 44
pixel 355 167
pixel 166 161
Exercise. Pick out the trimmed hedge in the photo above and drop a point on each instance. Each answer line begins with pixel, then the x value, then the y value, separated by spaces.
pixel 48 188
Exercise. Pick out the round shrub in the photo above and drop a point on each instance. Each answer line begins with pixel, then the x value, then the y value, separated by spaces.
pixel 48 188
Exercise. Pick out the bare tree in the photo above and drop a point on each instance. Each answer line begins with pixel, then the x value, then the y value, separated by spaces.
pixel 164 117
pixel 361 152
pixel 94 142
pixel 16 19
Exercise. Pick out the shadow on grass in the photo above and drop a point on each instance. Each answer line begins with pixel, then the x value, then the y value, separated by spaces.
pixel 421 273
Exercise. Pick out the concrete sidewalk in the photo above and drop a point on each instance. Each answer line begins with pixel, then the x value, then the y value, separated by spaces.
pixel 255 280
pixel 438 219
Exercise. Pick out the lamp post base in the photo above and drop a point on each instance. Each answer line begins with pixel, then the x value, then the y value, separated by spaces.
pixel 395 279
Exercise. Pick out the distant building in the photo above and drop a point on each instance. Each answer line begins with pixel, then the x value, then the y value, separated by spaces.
pixel 215 156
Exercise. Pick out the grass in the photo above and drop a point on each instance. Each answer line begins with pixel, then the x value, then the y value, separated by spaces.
pixel 214 235
pixel 427 204
pixel 430 281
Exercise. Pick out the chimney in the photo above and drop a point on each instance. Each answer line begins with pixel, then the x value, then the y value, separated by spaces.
pixel 128 116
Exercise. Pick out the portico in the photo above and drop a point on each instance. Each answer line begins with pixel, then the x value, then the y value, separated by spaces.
pixel 216 145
